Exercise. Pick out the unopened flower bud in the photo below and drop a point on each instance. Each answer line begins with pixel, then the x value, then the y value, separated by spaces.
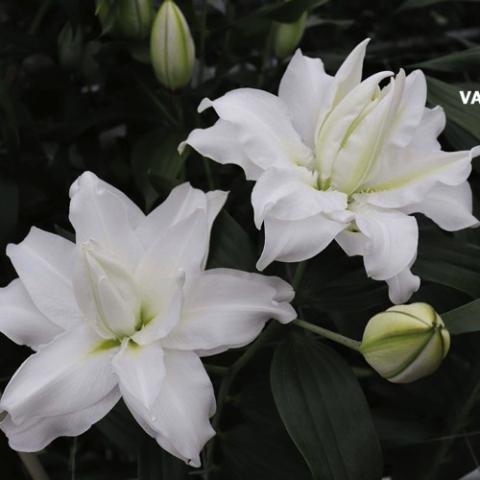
pixel 287 36
pixel 406 342
pixel 171 47
pixel 126 18
pixel 70 47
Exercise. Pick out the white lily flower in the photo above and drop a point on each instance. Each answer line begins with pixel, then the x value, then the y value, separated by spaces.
pixel 345 159
pixel 127 312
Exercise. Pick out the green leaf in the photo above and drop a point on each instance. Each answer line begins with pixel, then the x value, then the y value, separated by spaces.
pixel 258 448
pixel 121 428
pixel 458 138
pixel 449 261
pixel 154 463
pixel 155 155
pixel 8 216
pixel 410 4
pixel 324 410
pixel 230 246
pixel 448 96
pixel 453 276
pixel 453 62
pixel 292 10
pixel 464 319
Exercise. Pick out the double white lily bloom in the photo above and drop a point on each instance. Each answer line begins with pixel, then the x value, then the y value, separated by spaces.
pixel 127 311
pixel 341 158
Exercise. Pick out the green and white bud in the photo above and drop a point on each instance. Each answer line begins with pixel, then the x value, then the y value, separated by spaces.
pixel 406 342
pixel 287 36
pixel 171 47
pixel 130 19
pixel 70 47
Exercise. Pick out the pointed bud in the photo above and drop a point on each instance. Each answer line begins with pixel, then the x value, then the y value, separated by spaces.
pixel 70 47
pixel 287 36
pixel 126 18
pixel 171 47
pixel 406 342
pixel 108 292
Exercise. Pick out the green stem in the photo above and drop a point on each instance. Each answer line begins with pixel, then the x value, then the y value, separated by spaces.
pixel 73 459
pixel 298 276
pixel 268 333
pixel 33 466
pixel 30 461
pixel 37 20
pixel 156 101
pixel 265 55
pixel 203 35
pixel 324 332
pixel 222 397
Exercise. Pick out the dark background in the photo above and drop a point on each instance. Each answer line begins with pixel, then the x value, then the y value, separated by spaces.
pixel 66 108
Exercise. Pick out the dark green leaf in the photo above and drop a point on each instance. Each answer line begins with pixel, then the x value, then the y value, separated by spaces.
pixel 155 159
pixel 448 96
pixel 458 138
pixel 325 411
pixel 410 4
pixel 259 448
pixel 8 216
pixel 154 463
pixel 230 246
pixel 449 261
pixel 463 319
pixel 454 276
pixel 291 10
pixel 121 428
pixel 453 62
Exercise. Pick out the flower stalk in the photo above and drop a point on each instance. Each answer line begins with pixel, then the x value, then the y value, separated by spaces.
pixel 33 466
pixel 324 332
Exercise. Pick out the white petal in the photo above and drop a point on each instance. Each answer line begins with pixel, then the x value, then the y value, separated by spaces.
pixel 227 309
pixel 402 286
pixel 100 212
pixel 408 175
pixel 263 127
pixel 106 292
pixel 449 207
pixel 306 90
pixel 392 241
pixel 36 433
pixel 141 371
pixel 179 205
pixel 162 309
pixel 44 263
pixel 352 242
pixel 297 240
pixel 292 195
pixel 179 417
pixel 431 126
pixel 349 74
pixel 182 247
pixel 410 109
pixel 69 374
pixel 332 133
pixel 21 321
pixel 179 252
pixel 360 148
pixel 215 201
pixel 220 143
